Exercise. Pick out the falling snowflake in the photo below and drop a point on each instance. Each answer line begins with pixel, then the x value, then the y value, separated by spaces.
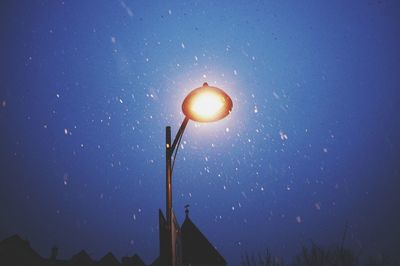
pixel 127 8
pixel 283 135
pixel 65 179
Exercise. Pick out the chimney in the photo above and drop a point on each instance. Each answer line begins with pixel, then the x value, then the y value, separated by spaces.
pixel 54 253
pixel 187 210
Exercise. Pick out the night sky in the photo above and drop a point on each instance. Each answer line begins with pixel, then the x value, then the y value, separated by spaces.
pixel 312 143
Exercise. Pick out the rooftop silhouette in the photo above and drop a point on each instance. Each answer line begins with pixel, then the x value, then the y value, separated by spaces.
pixel 196 249
pixel 14 251
pixel 193 248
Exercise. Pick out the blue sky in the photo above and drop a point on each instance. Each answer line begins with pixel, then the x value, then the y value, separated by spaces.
pixel 312 143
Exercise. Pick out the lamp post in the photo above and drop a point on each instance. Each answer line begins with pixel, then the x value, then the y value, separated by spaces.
pixel 204 104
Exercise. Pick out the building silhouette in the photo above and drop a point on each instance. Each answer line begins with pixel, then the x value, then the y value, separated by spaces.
pixel 14 251
pixel 196 249
pixel 191 248
pixel 108 260
pixel 132 261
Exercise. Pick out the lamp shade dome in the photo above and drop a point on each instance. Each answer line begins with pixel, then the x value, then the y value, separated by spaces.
pixel 207 104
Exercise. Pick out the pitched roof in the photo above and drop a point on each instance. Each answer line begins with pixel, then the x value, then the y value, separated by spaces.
pixel 82 259
pixel 196 249
pixel 133 261
pixel 16 251
pixel 109 260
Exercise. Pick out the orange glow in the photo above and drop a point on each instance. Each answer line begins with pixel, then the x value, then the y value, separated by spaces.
pixel 207 104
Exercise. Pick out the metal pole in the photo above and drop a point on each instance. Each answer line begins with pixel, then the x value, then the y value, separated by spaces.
pixel 169 150
pixel 168 156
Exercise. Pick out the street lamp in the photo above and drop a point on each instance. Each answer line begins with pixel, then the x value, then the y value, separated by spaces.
pixel 204 104
pixel 207 104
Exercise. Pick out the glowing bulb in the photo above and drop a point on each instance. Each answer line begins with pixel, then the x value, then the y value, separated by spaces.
pixel 207 104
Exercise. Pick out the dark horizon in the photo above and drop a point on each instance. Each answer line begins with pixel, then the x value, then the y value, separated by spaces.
pixel 15 250
pixel 312 143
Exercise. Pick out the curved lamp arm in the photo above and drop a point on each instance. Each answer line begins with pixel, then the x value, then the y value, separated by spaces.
pixel 179 134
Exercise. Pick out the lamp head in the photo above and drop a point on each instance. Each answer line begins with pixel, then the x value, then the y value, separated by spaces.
pixel 207 104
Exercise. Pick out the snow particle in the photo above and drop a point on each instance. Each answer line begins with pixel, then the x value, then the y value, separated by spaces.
pixel 127 8
pixel 283 135
pixel 65 179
